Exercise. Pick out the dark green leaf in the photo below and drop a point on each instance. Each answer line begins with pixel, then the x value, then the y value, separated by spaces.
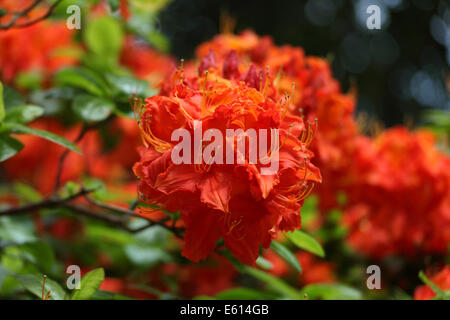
pixel 89 284
pixel 12 98
pixel 40 254
pixel 306 242
pixel 34 283
pixel 19 128
pixel 23 114
pixel 80 78
pixel 286 254
pixel 90 108
pixel 129 86
pixel 274 283
pixel 8 146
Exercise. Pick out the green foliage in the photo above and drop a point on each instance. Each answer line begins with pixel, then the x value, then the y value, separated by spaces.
pixel 91 108
pixel 34 284
pixel 273 283
pixel 23 114
pixel 20 128
pixel 304 241
pixel 104 37
pixel 287 255
pixel 8 147
pixel 240 293
pixel 331 292
pixel 89 284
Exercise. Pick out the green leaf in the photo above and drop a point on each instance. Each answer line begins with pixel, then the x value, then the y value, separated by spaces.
pixel 146 256
pixel 12 98
pixel 8 146
pixel 90 108
pixel 40 254
pixel 2 103
pixel 264 263
pixel 80 78
pixel 34 283
pixel 439 292
pixel 26 192
pixel 19 128
pixel 17 230
pixel 23 114
pixel 287 255
pixel 243 294
pixel 89 284
pixel 331 292
pixel 104 36
pixel 306 242
pixel 274 283
pixel 129 85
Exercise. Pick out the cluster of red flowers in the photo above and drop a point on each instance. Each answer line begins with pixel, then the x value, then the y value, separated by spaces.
pixel 399 195
pixel 39 47
pixel 398 177
pixel 315 95
pixel 232 202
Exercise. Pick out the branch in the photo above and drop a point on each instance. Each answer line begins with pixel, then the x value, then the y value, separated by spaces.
pixel 162 223
pixel 17 15
pixel 115 220
pixel 44 204
pixel 84 130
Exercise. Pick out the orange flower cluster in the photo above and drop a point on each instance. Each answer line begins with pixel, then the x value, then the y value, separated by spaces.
pixel 315 95
pixel 399 177
pixel 441 279
pixel 399 195
pixel 233 202
pixel 39 47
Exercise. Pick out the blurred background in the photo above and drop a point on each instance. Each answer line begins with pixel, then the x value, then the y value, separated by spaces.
pixel 400 71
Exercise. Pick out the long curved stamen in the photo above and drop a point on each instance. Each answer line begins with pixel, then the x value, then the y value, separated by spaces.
pixel 150 138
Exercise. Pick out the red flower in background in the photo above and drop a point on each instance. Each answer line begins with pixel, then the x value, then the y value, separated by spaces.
pixel 202 279
pixel 38 47
pixel 441 279
pixel 37 163
pixel 315 270
pixel 145 62
pixel 232 202
pixel 399 196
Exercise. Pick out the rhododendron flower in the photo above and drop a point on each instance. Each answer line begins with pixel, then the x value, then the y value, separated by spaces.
pixel 314 93
pixel 401 178
pixel 441 279
pixel 234 202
